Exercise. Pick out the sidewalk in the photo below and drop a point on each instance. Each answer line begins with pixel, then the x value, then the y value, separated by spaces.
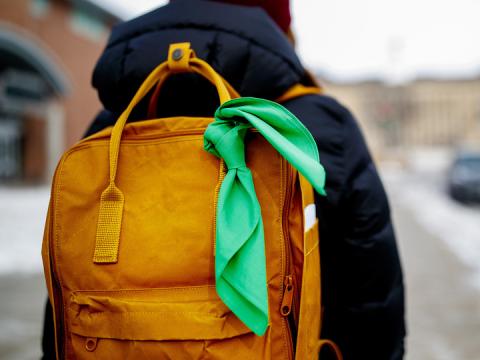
pixel 439 243
pixel 22 300
pixel 443 309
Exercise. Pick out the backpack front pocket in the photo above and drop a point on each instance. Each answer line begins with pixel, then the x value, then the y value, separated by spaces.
pixel 169 323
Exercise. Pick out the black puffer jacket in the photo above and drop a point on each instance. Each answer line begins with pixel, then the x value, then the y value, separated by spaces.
pixel 362 278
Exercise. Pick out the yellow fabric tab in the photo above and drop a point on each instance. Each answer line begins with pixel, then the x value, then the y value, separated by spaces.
pixel 308 196
pixel 109 225
pixel 309 321
pixel 308 343
pixel 179 56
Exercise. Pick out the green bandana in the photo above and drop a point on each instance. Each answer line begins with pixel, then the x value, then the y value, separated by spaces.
pixel 240 265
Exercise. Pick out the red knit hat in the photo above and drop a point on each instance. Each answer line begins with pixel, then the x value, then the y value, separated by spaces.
pixel 279 10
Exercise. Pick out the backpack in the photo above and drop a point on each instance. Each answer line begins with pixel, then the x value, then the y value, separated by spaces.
pixel 187 237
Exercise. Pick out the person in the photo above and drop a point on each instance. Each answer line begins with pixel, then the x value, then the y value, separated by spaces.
pixel 248 44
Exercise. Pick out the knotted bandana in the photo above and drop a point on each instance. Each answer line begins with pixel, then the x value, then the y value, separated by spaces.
pixel 240 264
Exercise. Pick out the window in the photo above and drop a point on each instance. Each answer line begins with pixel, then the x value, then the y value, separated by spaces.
pixel 87 25
pixel 39 8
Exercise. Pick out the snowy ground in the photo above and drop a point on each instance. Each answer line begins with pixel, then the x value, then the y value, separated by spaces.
pixel 455 224
pixel 422 189
pixel 22 290
pixel 439 241
pixel 22 218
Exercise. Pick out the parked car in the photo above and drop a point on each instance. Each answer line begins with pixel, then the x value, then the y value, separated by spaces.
pixel 464 177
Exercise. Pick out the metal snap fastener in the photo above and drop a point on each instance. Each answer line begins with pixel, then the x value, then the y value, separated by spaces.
pixel 177 54
pixel 90 344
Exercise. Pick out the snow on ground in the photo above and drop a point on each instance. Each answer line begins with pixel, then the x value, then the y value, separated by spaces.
pixel 457 225
pixel 421 188
pixel 23 212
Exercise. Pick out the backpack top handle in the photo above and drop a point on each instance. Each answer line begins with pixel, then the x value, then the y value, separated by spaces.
pixel 181 58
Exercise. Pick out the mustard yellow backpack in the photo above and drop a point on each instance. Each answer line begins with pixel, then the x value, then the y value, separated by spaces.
pixel 188 238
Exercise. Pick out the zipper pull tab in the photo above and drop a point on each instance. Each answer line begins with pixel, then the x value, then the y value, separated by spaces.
pixel 286 307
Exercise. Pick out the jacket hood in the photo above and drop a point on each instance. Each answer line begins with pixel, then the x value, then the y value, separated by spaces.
pixel 242 43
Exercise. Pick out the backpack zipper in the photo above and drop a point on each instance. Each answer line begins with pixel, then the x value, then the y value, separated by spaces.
pixel 160 135
pixel 288 283
pixel 165 135
pixel 286 308
pixel 137 137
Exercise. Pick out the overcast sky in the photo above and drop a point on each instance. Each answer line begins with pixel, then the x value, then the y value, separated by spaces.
pixel 392 39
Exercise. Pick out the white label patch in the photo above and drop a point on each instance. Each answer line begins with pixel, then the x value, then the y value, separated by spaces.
pixel 309 216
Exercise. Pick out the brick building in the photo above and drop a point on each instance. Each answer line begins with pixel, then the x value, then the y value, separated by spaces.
pixel 48 49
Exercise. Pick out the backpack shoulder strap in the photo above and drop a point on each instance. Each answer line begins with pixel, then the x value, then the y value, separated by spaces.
pixel 298 90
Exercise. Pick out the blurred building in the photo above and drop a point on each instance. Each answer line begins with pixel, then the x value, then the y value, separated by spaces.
pixel 423 113
pixel 48 49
